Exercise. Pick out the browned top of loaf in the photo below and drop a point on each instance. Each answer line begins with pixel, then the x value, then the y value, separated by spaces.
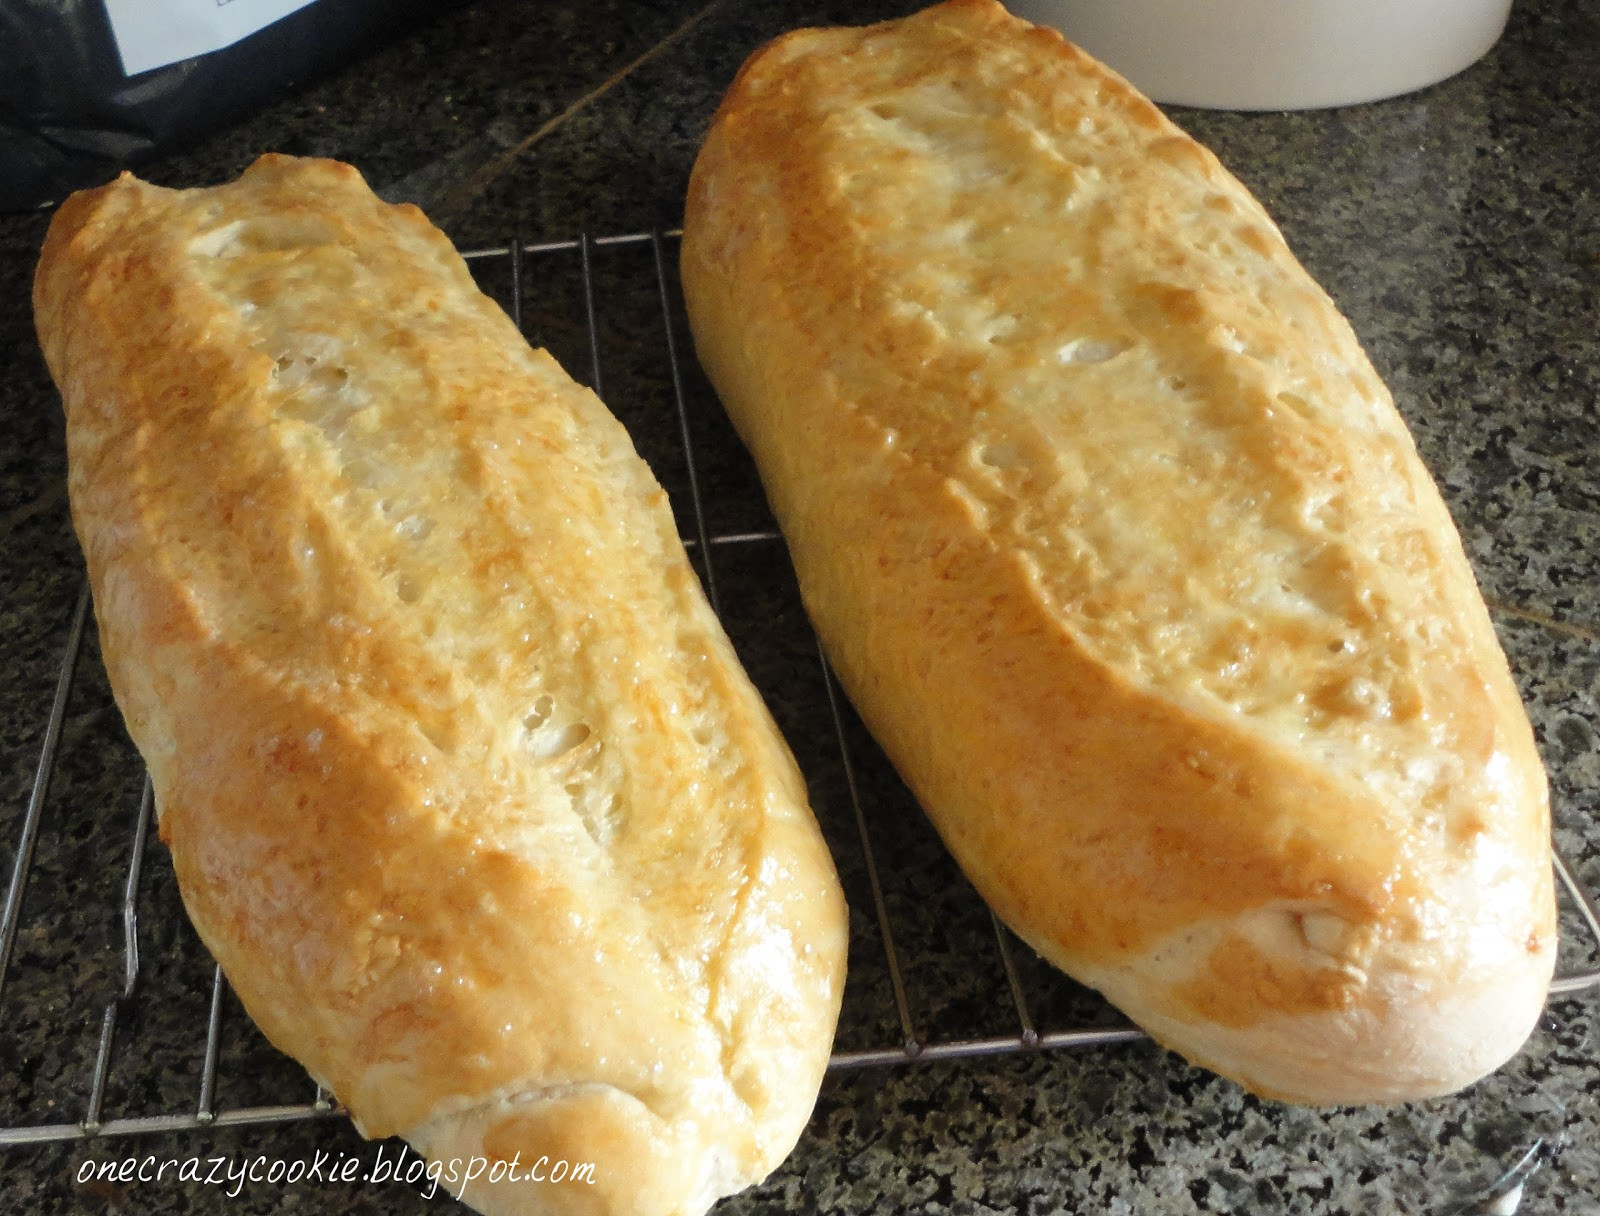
pixel 463 783
pixel 1102 421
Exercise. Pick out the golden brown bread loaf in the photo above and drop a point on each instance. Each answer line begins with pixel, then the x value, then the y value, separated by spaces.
pixel 1123 552
pixel 463 783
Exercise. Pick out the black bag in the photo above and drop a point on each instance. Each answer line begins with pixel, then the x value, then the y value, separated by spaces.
pixel 70 117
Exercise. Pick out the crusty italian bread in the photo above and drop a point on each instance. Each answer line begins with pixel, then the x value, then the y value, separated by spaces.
pixel 464 786
pixel 1124 554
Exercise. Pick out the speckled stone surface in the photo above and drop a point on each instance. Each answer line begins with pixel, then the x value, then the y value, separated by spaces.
pixel 1459 228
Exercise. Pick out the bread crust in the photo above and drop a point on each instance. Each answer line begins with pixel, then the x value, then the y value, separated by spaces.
pixel 1123 552
pixel 463 783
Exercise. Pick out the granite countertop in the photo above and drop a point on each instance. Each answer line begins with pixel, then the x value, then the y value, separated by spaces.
pixel 1459 229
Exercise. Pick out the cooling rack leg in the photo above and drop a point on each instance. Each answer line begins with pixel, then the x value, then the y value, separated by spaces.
pixel 102 1066
pixel 1030 1033
pixel 130 891
pixel 912 1046
pixel 516 283
pixel 41 786
pixel 130 961
pixel 584 247
pixel 1577 981
pixel 701 534
pixel 205 1111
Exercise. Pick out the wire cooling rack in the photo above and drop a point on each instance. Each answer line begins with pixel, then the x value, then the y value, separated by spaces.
pixel 515 264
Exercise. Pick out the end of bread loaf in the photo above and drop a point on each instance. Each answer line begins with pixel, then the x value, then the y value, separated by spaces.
pixel 619 1155
pixel 1389 1029
pixel 1404 1043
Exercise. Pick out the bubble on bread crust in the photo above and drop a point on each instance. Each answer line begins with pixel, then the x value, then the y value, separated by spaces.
pixel 1324 932
pixel 572 736
pixel 295 371
pixel 576 757
pixel 550 739
pixel 1288 932
pixel 268 234
pixel 539 714
pixel 1228 338
pixel 716 758
pixel 997 328
pixel 407 589
pixel 220 242
pixel 441 732
pixel 358 471
pixel 1095 607
pixel 1090 350
pixel 414 527
pixel 1000 455
pixel 1362 697
pixel 597 811
pixel 1297 405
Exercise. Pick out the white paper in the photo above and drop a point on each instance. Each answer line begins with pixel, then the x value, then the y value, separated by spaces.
pixel 154 33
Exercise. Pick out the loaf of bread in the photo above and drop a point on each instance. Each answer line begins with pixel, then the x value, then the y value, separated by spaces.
pixel 463 783
pixel 1124 554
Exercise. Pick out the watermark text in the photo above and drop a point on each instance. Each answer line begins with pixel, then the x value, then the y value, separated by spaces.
pixel 233 1173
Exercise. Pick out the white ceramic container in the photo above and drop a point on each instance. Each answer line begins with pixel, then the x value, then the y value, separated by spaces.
pixel 1276 54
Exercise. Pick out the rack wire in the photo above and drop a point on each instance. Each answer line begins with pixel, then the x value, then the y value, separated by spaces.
pixel 912 1044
